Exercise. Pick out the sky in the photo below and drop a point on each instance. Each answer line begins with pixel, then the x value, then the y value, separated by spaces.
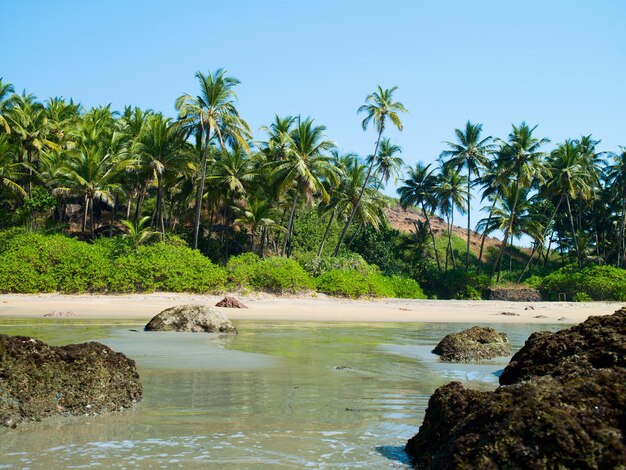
pixel 558 64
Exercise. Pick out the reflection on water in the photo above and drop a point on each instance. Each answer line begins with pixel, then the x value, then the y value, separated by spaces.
pixel 279 395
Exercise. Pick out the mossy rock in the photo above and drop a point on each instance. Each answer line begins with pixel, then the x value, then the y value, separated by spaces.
pixel 38 381
pixel 474 344
pixel 561 404
pixel 191 319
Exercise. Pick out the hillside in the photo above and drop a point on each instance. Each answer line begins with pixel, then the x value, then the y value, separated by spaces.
pixel 403 220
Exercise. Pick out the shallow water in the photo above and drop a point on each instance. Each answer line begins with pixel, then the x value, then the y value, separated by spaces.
pixel 279 395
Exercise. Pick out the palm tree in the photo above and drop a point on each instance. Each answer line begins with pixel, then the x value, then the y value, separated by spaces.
pixel 520 160
pixel 159 148
pixel 469 151
pixel 6 92
pixel 91 173
pixel 138 232
pixel 212 113
pixel 10 169
pixel 304 168
pixel 451 194
pixel 616 178
pixel 387 166
pixel 257 214
pixel 379 106
pixel 419 190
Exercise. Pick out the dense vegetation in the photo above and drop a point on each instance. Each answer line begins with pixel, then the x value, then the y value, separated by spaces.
pixel 289 212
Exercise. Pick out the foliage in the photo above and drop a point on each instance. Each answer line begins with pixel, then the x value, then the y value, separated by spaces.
pixel 281 275
pixel 316 266
pixel 596 282
pixel 241 269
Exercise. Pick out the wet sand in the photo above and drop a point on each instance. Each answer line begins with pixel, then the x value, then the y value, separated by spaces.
pixel 303 308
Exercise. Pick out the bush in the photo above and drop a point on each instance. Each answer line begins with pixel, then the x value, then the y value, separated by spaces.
pixel 597 282
pixel 241 269
pixel 167 268
pixel 281 275
pixel 582 297
pixel 316 266
pixel 406 288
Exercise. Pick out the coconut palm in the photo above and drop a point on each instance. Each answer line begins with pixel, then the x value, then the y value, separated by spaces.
pixel 138 232
pixel 212 113
pixel 616 178
pixel 257 214
pixel 520 160
pixel 6 93
pixel 387 165
pixel 11 171
pixel 451 193
pixel 304 168
pixel 378 108
pixel 470 151
pixel 419 190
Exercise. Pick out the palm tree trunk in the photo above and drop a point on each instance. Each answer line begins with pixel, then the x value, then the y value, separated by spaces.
pixel 508 230
pixel 85 213
pixel 450 239
pixel 532 254
pixel 198 211
pixel 330 221
pixel 484 237
pixel 92 218
pixel 263 241
pixel 290 225
pixel 129 206
pixel 358 201
pixel 356 232
pixel 469 184
pixel 571 220
pixel 620 237
pixel 159 216
pixel 511 255
pixel 545 259
pixel 432 236
pixel 112 217
pixel 449 243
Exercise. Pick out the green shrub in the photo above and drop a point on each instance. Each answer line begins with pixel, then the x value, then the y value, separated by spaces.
pixel 316 266
pixel 597 282
pixel 167 268
pixel 534 281
pixel 241 270
pixel 280 275
pixel 582 297
pixel 406 288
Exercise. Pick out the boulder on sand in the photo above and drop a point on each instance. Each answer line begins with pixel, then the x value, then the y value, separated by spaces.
pixel 561 404
pixel 230 302
pixel 191 319
pixel 38 381
pixel 474 344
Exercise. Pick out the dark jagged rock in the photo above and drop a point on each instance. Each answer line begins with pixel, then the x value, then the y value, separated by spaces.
pixel 599 342
pixel 230 302
pixel 192 319
pixel 561 404
pixel 513 294
pixel 474 344
pixel 38 381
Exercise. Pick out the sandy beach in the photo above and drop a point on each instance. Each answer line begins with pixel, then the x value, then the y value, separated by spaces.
pixel 321 308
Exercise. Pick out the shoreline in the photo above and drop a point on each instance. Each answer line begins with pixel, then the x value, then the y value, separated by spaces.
pixel 321 308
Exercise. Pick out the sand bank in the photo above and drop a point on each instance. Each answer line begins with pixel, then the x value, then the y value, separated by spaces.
pixel 306 308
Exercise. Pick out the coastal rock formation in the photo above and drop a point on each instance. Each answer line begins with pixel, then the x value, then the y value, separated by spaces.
pixel 561 404
pixel 474 344
pixel 230 302
pixel 38 381
pixel 192 319
pixel 513 294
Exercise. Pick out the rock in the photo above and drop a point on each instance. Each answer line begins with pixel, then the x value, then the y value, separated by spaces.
pixel 515 294
pixel 473 344
pixel 230 302
pixel 540 316
pixel 530 307
pixel 191 318
pixel 38 381
pixel 561 404
pixel 68 314
pixel 563 319
pixel 510 314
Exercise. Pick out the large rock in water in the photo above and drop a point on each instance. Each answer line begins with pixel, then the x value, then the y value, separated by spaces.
pixel 566 412
pixel 192 319
pixel 474 344
pixel 38 381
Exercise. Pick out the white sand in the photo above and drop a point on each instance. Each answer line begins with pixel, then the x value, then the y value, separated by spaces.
pixel 321 308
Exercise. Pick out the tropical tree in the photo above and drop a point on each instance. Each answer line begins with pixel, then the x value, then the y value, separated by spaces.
pixel 616 178
pixel 451 194
pixel 257 214
pixel 470 151
pixel 387 165
pixel 212 113
pixel 520 159
pixel 11 171
pixel 378 108
pixel 138 232
pixel 6 93
pixel 419 190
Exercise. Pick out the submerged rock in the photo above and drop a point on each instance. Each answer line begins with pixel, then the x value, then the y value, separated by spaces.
pixel 230 302
pixel 192 319
pixel 561 404
pixel 38 381
pixel 474 344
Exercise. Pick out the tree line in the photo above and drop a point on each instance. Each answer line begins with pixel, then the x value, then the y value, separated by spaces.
pixel 203 173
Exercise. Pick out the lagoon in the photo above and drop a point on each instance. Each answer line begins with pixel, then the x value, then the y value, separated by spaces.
pixel 278 395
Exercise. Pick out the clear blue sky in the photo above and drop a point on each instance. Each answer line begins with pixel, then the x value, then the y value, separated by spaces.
pixel 559 64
